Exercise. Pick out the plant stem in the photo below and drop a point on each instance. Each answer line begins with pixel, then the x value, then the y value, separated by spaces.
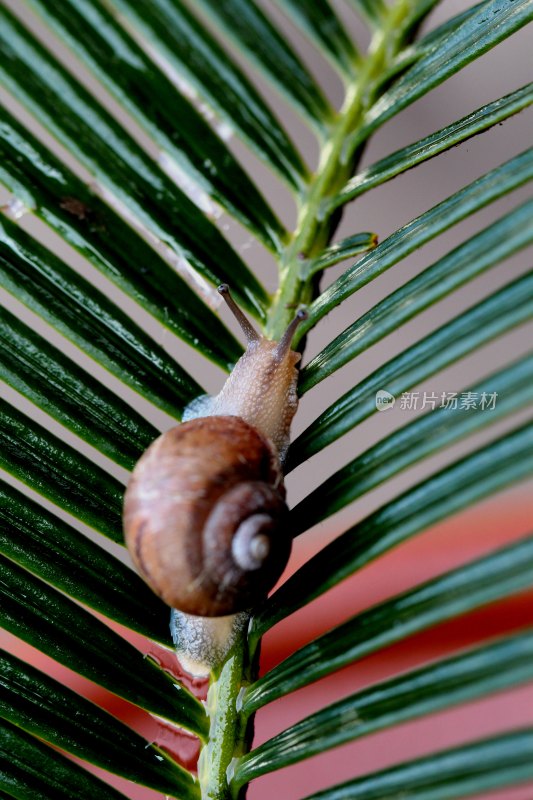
pixel 230 734
pixel 314 230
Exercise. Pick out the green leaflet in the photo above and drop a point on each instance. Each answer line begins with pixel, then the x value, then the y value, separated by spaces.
pixel 456 486
pixel 55 625
pixel 193 52
pixel 71 304
pixel 44 708
pixel 346 248
pixel 496 314
pixel 504 572
pixel 371 10
pixel 320 23
pixel 432 688
pixel 401 160
pixel 486 249
pixel 484 765
pixel 73 115
pixel 43 544
pixel 173 122
pixel 29 770
pixel 421 230
pixel 420 47
pixel 58 386
pixel 512 388
pixel 63 201
pixel 492 22
pixel 55 470
pixel 264 45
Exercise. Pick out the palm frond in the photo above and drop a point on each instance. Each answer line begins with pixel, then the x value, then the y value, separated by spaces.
pixel 143 119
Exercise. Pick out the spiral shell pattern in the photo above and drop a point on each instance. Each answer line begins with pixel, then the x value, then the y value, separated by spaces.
pixel 205 517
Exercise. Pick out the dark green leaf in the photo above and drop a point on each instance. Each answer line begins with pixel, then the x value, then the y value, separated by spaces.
pixel 193 52
pixel 30 769
pixel 430 41
pixel 71 481
pixel 423 229
pixel 57 626
pixel 173 122
pixel 65 203
pixel 501 574
pixel 253 33
pixel 430 689
pixel 421 9
pixel 54 551
pixel 57 385
pixel 346 248
pixel 511 388
pixel 425 44
pixel 494 21
pixel 372 10
pixel 486 249
pixel 60 103
pixel 71 304
pixel 496 314
pixel 463 483
pixel 471 769
pixel 41 706
pixel 319 22
pixel 401 160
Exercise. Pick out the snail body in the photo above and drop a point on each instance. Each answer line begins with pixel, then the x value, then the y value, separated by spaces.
pixel 205 517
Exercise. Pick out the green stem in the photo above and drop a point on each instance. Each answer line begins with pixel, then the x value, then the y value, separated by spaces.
pixel 335 166
pixel 230 734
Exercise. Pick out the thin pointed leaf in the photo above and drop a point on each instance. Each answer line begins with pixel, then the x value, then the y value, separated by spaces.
pixel 71 304
pixel 430 41
pixel 57 626
pixel 55 470
pixel 44 708
pixel 455 487
pixel 485 765
pixel 30 769
pixel 401 160
pixel 486 249
pixel 173 122
pixel 432 688
pixel 57 385
pixel 64 202
pixel 511 388
pixel 192 51
pixel 425 44
pixel 371 10
pixel 498 313
pixel 490 24
pixel 319 21
pixel 346 248
pixel 43 544
pixel 253 33
pixel 503 573
pixel 93 135
pixel 495 184
pixel 421 9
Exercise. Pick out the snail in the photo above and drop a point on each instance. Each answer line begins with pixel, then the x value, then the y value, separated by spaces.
pixel 205 517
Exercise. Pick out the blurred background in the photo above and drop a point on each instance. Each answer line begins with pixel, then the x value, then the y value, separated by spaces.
pixel 469 534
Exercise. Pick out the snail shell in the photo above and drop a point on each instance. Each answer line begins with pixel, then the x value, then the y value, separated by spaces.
pixel 205 516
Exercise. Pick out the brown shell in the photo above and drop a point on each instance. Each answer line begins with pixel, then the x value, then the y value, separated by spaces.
pixel 188 494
